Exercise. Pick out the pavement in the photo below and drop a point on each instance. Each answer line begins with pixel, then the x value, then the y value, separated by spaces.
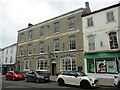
pixel 102 81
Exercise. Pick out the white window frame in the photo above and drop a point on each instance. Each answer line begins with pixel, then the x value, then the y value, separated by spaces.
pixel 22 37
pixel 71 23
pixel 41 47
pixel 90 22
pixel 29 49
pixel 71 59
pixel 26 65
pixel 42 30
pixel 113 40
pixel 38 64
pixel 91 43
pixel 72 42
pixel 21 51
pixel 56 45
pixel 56 27
pixel 30 35
pixel 110 16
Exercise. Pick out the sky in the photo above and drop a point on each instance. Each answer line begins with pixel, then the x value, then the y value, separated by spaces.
pixel 16 14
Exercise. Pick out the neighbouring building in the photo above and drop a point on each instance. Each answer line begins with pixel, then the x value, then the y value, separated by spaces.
pixel 101 30
pixel 9 58
pixel 1 58
pixel 52 45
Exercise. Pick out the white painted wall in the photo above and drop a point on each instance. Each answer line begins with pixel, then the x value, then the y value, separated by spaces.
pixel 100 29
pixel 9 54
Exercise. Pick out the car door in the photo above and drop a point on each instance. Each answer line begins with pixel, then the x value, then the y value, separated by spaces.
pixel 31 76
pixel 74 79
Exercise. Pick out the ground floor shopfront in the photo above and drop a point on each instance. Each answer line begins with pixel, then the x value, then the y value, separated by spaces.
pixel 7 67
pixel 102 64
pixel 51 63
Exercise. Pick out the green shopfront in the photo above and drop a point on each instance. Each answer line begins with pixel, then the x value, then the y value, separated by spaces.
pixel 102 62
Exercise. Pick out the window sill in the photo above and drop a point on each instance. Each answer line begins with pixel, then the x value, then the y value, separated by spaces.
pixel 90 26
pixel 57 33
pixel 71 29
pixel 110 21
pixel 40 70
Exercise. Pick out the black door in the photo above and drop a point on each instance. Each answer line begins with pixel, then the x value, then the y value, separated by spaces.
pixel 53 68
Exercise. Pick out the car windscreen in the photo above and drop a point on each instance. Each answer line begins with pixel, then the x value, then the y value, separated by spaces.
pixel 81 74
pixel 16 73
pixel 39 72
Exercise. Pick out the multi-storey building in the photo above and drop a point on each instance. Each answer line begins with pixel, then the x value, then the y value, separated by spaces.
pixel 9 58
pixel 101 30
pixel 52 45
pixel 1 58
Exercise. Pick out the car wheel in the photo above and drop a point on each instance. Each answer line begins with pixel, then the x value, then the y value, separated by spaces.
pixel 61 82
pixel 26 79
pixel 85 84
pixel 118 84
pixel 37 80
pixel 6 78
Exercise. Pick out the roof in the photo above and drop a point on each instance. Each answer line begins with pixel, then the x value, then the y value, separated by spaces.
pixel 100 10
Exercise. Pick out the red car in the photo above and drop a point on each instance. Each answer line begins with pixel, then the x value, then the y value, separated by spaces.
pixel 14 75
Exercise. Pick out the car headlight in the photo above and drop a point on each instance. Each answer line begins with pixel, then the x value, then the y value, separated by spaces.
pixel 16 75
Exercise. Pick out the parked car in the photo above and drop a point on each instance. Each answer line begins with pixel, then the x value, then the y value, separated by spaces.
pixel 36 76
pixel 117 80
pixel 77 78
pixel 14 75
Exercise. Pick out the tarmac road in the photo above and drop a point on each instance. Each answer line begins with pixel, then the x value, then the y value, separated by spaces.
pixel 22 85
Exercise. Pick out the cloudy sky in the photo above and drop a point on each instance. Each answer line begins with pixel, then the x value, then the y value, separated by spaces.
pixel 16 14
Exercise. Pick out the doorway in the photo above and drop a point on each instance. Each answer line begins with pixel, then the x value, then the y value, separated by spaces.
pixel 53 67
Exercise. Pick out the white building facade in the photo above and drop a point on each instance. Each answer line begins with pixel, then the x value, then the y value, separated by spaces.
pixel 1 58
pixel 101 30
pixel 9 58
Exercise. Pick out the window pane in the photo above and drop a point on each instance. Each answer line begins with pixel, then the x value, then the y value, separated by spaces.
pixel 90 66
pixel 72 23
pixel 113 40
pixel 56 45
pixel 72 43
pixel 56 27
pixel 110 16
pixel 91 43
pixel 41 47
pixel 90 22
pixel 42 31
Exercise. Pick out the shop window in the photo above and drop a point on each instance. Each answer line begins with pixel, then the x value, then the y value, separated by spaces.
pixel 90 66
pixel 68 63
pixel 113 40
pixel 106 65
pixel 111 66
pixel 42 64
